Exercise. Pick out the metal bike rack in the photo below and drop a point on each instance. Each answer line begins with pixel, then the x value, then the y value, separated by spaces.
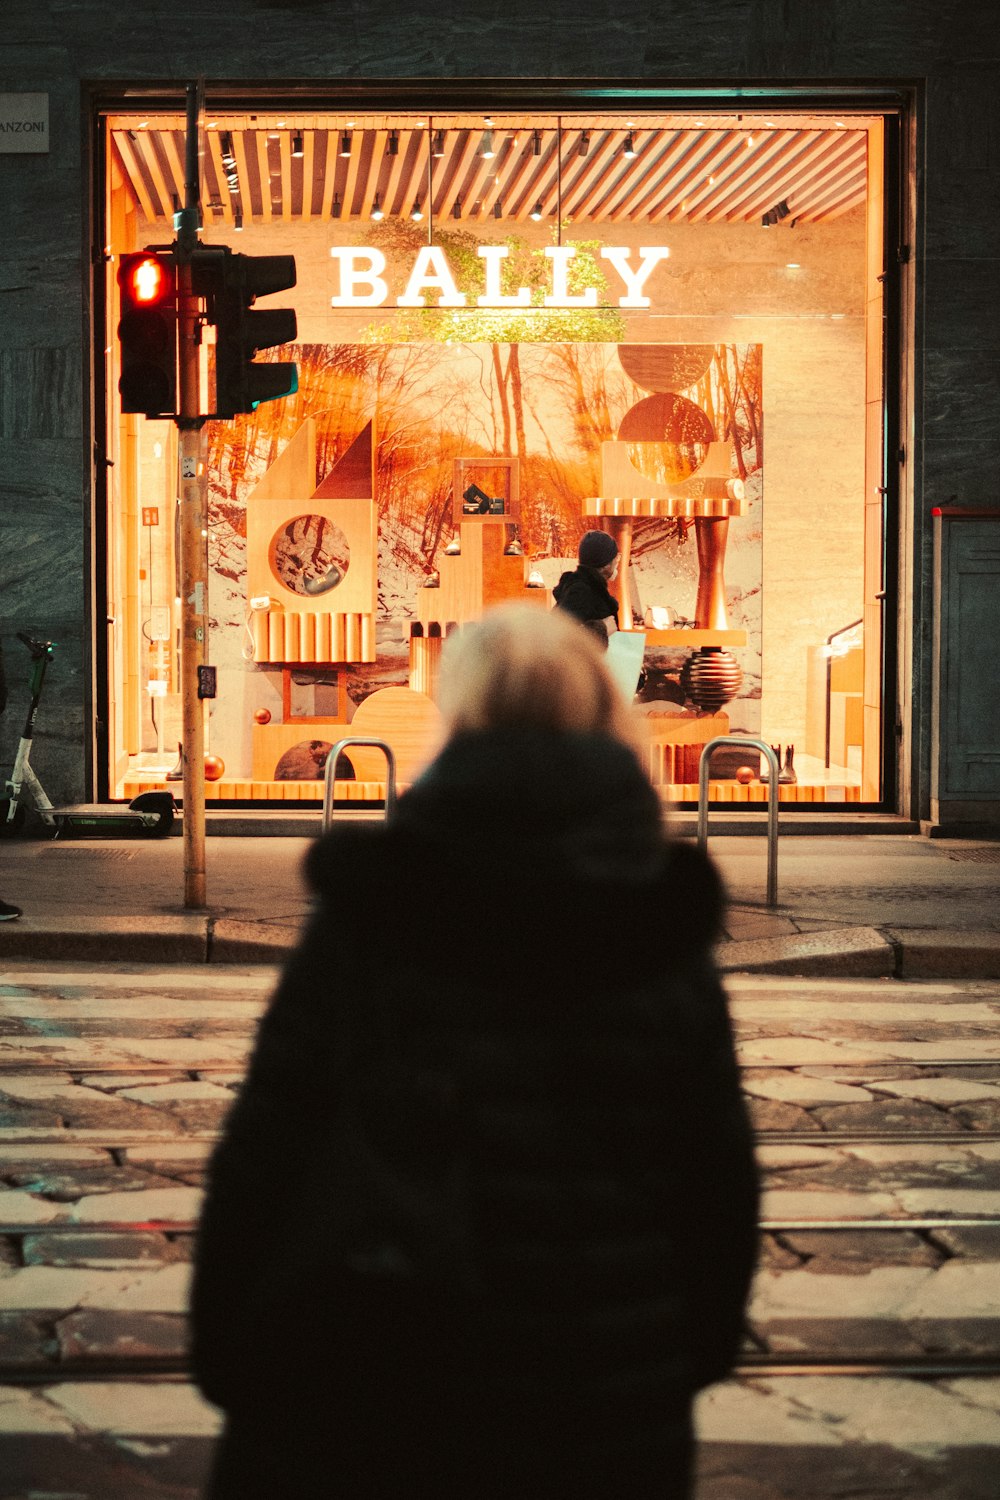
pixel 772 801
pixel 330 775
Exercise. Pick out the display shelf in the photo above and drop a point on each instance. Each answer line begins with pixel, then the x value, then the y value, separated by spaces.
pixel 669 507
pixel 693 639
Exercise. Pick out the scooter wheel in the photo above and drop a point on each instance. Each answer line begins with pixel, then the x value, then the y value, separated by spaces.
pixel 160 828
pixel 12 825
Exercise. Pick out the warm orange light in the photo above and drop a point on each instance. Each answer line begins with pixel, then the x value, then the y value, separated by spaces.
pixel 149 281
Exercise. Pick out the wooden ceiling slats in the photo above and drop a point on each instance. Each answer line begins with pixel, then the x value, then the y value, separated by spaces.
pixel 630 186
pixel 798 159
pixel 223 196
pixel 245 199
pixel 451 189
pixel 351 172
pixel 756 162
pixel 799 181
pixel 696 166
pixel 774 186
pixel 134 175
pixel 308 172
pixel 840 195
pixel 263 175
pixel 575 195
pixel 608 164
pixel 660 175
pixel 172 145
pixel 518 172
pixel 378 140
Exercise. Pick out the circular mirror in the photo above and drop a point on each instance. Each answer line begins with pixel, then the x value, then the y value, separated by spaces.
pixel 309 555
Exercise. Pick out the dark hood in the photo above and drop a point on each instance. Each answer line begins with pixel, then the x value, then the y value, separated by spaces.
pixel 579 803
pixel 549 836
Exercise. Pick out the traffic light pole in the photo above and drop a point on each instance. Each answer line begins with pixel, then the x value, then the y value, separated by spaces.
pixel 193 527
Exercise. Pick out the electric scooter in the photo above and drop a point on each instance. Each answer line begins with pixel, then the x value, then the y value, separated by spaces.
pixel 151 813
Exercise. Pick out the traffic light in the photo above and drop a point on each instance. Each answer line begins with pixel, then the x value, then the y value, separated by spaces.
pixel 147 333
pixel 231 284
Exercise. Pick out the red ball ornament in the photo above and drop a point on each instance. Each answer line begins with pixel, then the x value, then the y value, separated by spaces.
pixel 215 767
pixel 262 716
pixel 745 775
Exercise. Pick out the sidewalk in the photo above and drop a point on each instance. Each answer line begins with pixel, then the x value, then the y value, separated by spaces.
pixel 862 905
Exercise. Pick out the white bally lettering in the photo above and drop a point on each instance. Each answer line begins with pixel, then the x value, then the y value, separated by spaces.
pixel 363 283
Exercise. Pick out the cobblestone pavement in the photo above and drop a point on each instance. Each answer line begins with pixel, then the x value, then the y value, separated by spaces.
pixel 870 1367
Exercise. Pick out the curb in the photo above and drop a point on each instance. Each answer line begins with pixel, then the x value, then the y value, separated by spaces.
pixel 849 952
pixel 201 938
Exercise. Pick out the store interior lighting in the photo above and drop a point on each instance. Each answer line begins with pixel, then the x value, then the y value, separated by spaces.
pixel 335 207
pixel 438 147
pixel 584 146
pixel 393 146
pixel 775 215
pixel 345 143
pixel 377 209
pixel 537 211
pixel 416 212
pixel 628 149
pixel 298 149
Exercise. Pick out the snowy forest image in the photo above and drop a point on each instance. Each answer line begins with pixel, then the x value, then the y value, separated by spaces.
pixel 438 398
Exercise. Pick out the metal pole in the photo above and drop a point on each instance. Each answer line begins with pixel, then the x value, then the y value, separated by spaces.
pixel 772 802
pixel 191 499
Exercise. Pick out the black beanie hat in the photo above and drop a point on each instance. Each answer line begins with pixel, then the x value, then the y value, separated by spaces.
pixel 597 549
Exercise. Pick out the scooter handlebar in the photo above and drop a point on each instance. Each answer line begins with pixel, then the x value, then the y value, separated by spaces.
pixel 37 648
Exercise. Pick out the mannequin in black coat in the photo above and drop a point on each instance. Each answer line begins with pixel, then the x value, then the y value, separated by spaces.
pixel 483 1219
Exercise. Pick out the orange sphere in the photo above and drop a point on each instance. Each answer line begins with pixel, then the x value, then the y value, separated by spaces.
pixel 215 767
pixel 262 716
pixel 745 774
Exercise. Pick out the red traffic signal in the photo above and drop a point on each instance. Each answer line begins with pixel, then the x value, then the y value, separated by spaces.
pixel 147 333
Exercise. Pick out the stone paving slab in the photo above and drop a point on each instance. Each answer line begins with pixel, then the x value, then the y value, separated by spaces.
pixel 161 1288
pixel 760 1438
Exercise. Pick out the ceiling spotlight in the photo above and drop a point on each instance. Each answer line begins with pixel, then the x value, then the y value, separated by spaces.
pixel 393 146
pixel 438 147
pixel 537 211
pixel 584 145
pixel 377 209
pixel 335 207
pixel 629 147
pixel 775 215
pixel 536 142
pixel 225 143
pixel 456 209
pixel 416 212
pixel 238 222
pixel 297 147
pixel 486 149
pixel 498 209
pixel 345 143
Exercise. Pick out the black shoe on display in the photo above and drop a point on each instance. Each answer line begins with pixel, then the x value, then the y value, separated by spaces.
pixel 9 913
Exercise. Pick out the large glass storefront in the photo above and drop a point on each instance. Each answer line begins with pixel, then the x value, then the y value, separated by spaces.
pixel 513 329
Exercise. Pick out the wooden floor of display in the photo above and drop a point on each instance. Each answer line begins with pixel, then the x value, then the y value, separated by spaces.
pixel 236 790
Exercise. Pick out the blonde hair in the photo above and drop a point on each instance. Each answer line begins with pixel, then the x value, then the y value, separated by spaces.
pixel 522 667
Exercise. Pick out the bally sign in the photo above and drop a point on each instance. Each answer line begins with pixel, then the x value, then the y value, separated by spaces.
pixel 24 122
pixel 363 284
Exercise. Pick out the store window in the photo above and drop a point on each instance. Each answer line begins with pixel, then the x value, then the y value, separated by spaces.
pixel 511 330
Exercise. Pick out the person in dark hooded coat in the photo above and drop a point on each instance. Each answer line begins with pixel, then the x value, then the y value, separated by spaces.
pixel 482 1221
pixel 584 593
